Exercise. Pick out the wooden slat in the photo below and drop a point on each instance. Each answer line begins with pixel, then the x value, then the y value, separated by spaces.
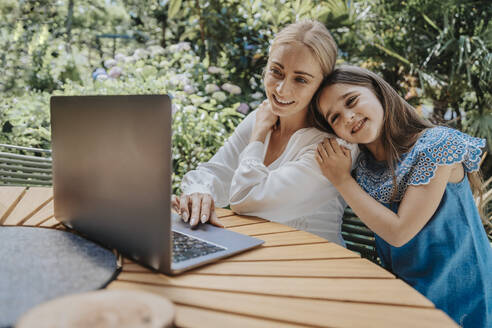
pixel 9 198
pixel 342 268
pixel 355 268
pixel 50 223
pixel 42 215
pixel 319 313
pixel 235 220
pixel 291 238
pixel 377 291
pixel 295 252
pixel 189 316
pixel 222 212
pixel 262 228
pixel 34 199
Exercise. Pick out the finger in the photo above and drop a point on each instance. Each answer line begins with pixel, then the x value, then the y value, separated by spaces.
pixel 175 203
pixel 196 204
pixel 215 220
pixel 318 158
pixel 335 146
pixel 207 207
pixel 184 207
pixel 322 151
pixel 329 148
pixel 345 151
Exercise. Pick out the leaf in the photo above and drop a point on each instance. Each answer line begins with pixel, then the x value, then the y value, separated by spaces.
pixel 174 6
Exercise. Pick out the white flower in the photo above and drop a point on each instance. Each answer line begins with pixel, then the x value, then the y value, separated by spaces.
pixel 231 88
pixel 101 77
pixel 175 108
pixel 120 57
pixel 108 63
pixel 197 101
pixel 219 95
pixel 252 83
pixel 130 59
pixel 257 95
pixel 141 53
pixel 189 89
pixel 210 88
pixel 216 70
pixel 155 50
pixel 182 46
pixel 115 72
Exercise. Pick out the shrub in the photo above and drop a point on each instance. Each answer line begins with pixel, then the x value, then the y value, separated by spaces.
pixel 201 122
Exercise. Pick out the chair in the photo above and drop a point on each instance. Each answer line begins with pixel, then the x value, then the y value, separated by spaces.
pixel 358 237
pixel 25 166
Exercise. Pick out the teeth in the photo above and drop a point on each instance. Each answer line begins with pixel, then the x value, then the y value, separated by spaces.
pixel 282 102
pixel 358 126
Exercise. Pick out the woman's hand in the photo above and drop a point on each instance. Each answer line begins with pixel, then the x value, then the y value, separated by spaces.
pixel 195 208
pixel 265 120
pixel 334 161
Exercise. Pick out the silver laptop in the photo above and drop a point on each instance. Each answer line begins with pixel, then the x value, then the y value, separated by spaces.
pixel 112 170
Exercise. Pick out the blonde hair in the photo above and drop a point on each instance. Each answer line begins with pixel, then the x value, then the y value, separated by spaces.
pixel 313 35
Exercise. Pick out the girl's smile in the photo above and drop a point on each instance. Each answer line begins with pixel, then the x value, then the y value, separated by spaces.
pixel 353 112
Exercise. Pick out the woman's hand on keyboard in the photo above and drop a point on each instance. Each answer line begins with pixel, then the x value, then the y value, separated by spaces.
pixel 195 208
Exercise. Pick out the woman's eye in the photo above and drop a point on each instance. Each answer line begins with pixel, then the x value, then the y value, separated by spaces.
pixel 301 80
pixel 275 71
pixel 351 100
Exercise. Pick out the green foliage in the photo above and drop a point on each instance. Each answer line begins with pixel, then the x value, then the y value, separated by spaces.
pixel 43 47
pixel 439 52
pixel 25 120
pixel 201 123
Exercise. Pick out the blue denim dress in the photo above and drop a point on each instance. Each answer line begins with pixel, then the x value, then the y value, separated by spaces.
pixel 450 260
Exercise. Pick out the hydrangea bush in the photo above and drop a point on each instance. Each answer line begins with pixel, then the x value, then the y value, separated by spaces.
pixel 206 106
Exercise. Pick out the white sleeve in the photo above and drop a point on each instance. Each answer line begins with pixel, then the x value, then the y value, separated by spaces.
pixel 214 177
pixel 295 189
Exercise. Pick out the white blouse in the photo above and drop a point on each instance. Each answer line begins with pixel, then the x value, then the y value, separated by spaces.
pixel 291 190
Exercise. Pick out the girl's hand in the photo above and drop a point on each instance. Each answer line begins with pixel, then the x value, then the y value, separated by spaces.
pixel 195 208
pixel 334 161
pixel 265 120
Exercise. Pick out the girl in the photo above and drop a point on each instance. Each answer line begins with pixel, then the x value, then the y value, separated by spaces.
pixel 267 166
pixel 411 189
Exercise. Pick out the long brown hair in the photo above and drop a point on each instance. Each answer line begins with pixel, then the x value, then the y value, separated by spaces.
pixel 401 124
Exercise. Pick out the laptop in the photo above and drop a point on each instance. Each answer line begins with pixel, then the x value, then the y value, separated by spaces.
pixel 112 170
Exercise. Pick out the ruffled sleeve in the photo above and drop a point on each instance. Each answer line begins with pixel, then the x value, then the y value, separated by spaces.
pixel 441 146
pixel 437 146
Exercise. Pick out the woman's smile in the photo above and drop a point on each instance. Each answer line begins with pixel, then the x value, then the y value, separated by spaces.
pixel 290 83
pixel 281 102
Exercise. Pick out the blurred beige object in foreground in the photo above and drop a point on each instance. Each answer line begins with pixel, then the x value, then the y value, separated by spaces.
pixel 102 309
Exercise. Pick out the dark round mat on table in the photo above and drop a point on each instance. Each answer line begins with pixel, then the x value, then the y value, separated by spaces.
pixel 37 265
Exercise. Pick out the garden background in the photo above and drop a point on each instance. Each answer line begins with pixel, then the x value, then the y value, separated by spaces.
pixel 209 54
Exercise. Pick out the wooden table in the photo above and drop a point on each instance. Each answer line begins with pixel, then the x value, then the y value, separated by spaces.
pixel 295 279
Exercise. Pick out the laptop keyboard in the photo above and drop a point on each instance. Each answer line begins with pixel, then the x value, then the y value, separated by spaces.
pixel 186 247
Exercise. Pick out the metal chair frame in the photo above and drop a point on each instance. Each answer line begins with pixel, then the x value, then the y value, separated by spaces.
pixel 358 237
pixel 17 168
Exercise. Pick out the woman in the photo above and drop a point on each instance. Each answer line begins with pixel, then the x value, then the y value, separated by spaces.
pixel 267 167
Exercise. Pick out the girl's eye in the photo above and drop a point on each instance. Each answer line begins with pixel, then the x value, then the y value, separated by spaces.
pixel 351 100
pixel 334 118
